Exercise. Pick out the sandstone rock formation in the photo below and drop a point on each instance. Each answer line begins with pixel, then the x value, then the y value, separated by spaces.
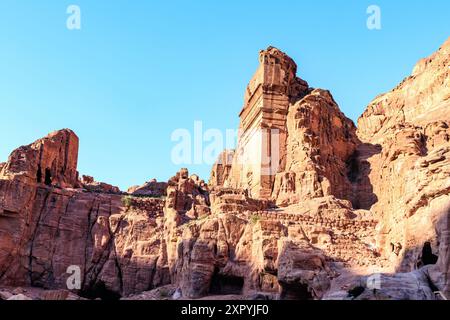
pixel 307 207
pixel 406 157
pixel 294 141
pixel 45 229
pixel 90 184
pixel 261 152
pixel 51 161
pixel 221 169
pixel 320 142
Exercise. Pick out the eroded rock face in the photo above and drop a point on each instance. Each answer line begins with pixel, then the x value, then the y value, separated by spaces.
pixel 261 151
pixel 342 214
pixel 51 230
pixel 303 272
pixel 51 161
pixel 294 141
pixel 221 169
pixel 89 183
pixel 46 229
pixel 320 142
pixel 406 161
pixel 151 188
pixel 419 99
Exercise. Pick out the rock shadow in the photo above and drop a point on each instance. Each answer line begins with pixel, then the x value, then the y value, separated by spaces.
pixel 358 173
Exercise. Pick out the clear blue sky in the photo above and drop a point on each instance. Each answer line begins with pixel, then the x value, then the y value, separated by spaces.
pixel 138 70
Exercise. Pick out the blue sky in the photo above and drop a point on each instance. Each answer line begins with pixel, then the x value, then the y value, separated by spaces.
pixel 138 70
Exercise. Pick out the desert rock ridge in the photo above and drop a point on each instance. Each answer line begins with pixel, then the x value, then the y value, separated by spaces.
pixel 339 207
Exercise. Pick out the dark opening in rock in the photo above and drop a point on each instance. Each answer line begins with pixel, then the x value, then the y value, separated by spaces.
pixel 48 177
pixel 39 175
pixel 100 291
pixel 427 255
pixel 295 291
pixel 223 285
pixel 355 292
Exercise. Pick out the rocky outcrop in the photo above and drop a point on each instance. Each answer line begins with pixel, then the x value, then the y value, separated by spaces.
pixel 405 161
pixel 231 254
pixel 294 142
pixel 307 207
pixel 188 195
pixel 396 165
pixel 151 188
pixel 230 200
pixel 303 271
pixel 221 169
pixel 89 184
pixel 320 142
pixel 261 148
pixel 46 229
pixel 413 285
pixel 53 229
pixel 51 161
pixel 33 293
pixel 421 98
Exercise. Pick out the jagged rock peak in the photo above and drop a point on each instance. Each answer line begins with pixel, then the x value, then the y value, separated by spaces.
pixel 51 160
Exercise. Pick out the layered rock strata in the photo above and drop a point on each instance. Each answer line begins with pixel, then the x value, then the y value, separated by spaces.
pixel 323 210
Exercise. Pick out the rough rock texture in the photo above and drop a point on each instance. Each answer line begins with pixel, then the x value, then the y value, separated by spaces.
pixel 261 148
pixel 51 161
pixel 45 230
pixel 421 98
pixel 33 293
pixel 294 142
pixel 221 169
pixel 396 165
pixel 318 210
pixel 399 286
pixel 151 188
pixel 405 159
pixel 320 142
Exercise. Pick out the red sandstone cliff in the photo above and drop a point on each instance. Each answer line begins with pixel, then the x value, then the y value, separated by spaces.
pixel 337 204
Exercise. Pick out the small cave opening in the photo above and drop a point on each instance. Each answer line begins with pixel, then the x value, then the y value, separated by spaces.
pixel 48 177
pixel 225 284
pixel 295 291
pixel 353 168
pixel 355 292
pixel 39 175
pixel 427 255
pixel 100 291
